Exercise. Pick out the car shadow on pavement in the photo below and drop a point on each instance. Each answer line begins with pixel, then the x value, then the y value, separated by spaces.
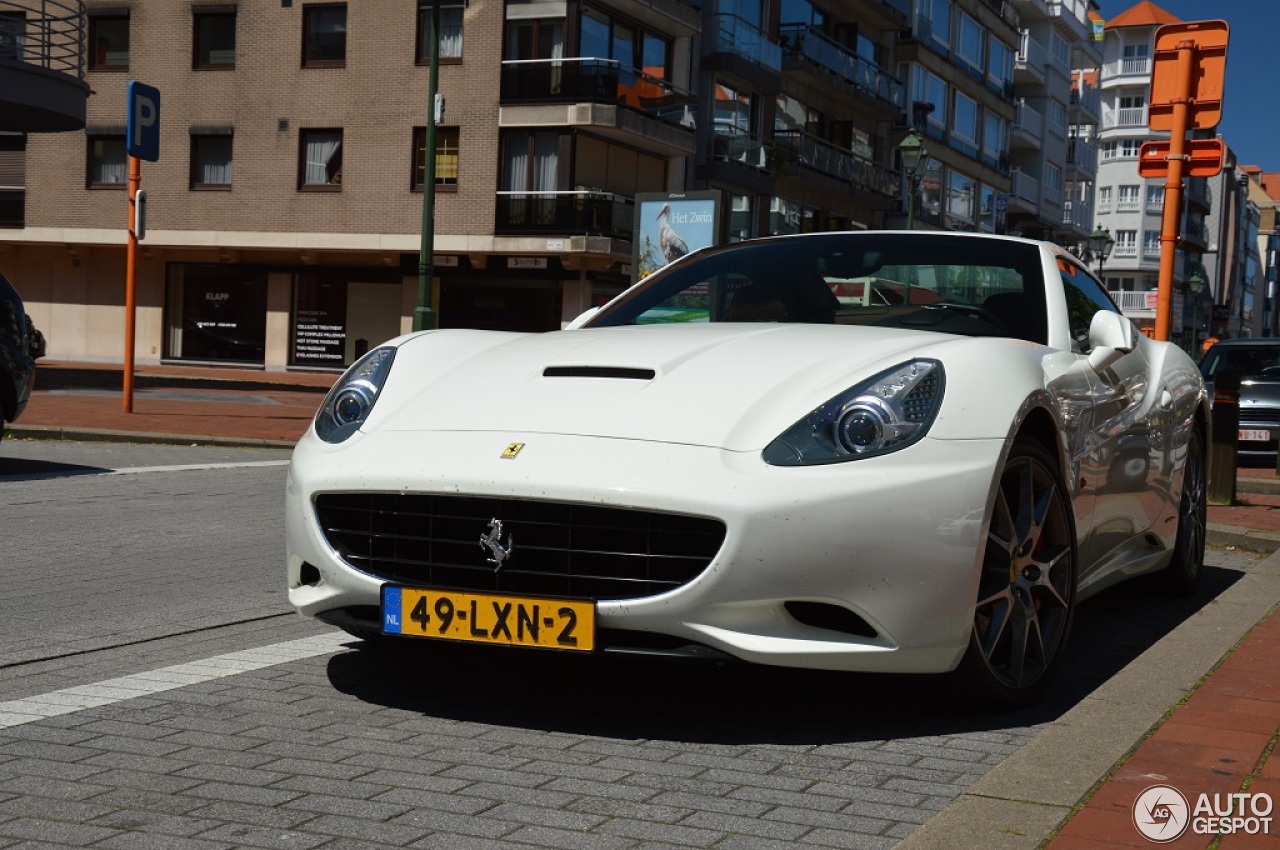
pixel 735 703
pixel 35 470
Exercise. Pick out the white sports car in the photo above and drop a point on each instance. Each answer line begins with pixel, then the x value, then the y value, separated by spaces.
pixel 871 451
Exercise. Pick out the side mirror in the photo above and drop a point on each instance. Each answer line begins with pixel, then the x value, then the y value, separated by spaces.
pixel 1111 336
pixel 582 319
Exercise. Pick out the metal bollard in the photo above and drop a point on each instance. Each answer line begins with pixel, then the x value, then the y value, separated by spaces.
pixel 1224 428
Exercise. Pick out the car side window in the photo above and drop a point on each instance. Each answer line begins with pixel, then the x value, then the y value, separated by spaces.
pixel 1085 297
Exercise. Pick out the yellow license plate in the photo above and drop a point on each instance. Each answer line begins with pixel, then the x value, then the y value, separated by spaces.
pixel 480 618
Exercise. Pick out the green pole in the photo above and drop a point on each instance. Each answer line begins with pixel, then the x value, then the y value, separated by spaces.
pixel 424 317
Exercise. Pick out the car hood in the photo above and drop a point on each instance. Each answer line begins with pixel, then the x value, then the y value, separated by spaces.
pixel 732 386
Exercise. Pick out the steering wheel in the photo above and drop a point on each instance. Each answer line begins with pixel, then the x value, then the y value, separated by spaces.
pixel 972 310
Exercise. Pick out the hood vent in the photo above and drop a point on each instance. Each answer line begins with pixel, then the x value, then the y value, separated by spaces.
pixel 599 372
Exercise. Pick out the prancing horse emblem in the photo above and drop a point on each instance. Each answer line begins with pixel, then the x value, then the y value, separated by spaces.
pixel 493 542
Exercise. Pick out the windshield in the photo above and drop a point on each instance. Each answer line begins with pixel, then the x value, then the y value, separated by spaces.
pixel 1245 360
pixel 943 283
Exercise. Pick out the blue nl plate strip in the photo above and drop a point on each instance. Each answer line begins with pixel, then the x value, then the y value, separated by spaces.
pixel 391 610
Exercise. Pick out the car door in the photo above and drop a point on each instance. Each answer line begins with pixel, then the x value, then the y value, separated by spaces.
pixel 1119 457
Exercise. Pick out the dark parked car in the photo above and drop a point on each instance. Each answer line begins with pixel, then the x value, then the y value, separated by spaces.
pixel 20 345
pixel 1257 362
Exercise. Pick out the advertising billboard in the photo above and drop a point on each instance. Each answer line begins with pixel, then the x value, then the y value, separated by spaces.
pixel 670 225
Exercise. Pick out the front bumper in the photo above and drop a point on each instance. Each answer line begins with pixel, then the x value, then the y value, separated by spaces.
pixel 895 539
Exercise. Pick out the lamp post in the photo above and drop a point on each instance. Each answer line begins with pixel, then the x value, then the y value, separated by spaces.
pixel 1195 283
pixel 913 154
pixel 424 317
pixel 1100 244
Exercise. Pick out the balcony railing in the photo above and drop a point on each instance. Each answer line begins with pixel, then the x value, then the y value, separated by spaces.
pixel 585 212
pixel 1025 186
pixel 1032 55
pixel 1074 13
pixel 732 144
pixel 1127 250
pixel 811 152
pixel 1028 120
pixel 596 80
pixel 1083 154
pixel 1077 214
pixel 1198 191
pixel 1134 302
pixel 738 36
pixel 54 38
pixel 1129 116
pixel 1087 97
pixel 1150 251
pixel 803 41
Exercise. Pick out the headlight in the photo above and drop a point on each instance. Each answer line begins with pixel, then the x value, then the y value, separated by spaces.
pixel 887 413
pixel 347 405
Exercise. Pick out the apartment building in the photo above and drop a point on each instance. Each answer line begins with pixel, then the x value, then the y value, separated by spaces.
pixel 1129 207
pixel 1053 154
pixel 286 208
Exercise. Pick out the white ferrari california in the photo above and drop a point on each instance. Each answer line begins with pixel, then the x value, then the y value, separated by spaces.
pixel 868 451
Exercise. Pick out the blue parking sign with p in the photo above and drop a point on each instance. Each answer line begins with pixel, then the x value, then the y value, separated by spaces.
pixel 142 128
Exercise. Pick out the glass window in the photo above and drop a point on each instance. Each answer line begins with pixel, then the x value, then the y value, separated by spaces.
pixel 449 37
pixel 108 164
pixel 961 194
pixel 995 136
pixel 535 39
pixel 446 157
pixel 320 160
pixel 938 15
pixel 211 161
pixel 1053 176
pixel 109 42
pixel 1104 199
pixel 1128 199
pixel 1085 297
pixel 215 39
pixel 932 89
pixel 1000 65
pixel 966 119
pixel 216 313
pixel 971 45
pixel 1155 198
pixel 593 41
pixel 324 36
pixel 1151 242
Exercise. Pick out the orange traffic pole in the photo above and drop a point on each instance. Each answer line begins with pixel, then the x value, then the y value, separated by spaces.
pixel 130 283
pixel 1181 102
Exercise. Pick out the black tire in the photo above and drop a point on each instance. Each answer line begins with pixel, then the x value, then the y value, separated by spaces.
pixel 1026 597
pixel 1182 576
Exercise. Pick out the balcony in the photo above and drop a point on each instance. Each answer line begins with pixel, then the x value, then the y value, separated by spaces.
pixel 1077 215
pixel 1028 126
pixel 1030 61
pixel 1197 192
pixel 812 153
pixel 1024 191
pixel 1088 101
pixel 1125 251
pixel 1196 233
pixel 1129 116
pixel 1135 304
pixel 1075 14
pixel 42 87
pixel 1130 66
pixel 583 212
pixel 612 98
pixel 735 38
pixel 1082 155
pixel 808 46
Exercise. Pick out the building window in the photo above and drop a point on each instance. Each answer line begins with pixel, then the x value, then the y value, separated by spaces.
pixel 13 35
pixel 936 17
pixel 1155 199
pixel 449 38
pixel 211 160
pixel 1128 201
pixel 108 165
pixel 1000 66
pixel 966 123
pixel 1151 243
pixel 931 89
pixel 109 42
pixel 1104 199
pixel 1126 244
pixel 971 46
pixel 1053 176
pixel 446 158
pixel 320 160
pixel 324 36
pixel 215 38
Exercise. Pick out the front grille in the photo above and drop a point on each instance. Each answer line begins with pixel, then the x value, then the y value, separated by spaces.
pixel 557 548
pixel 1261 415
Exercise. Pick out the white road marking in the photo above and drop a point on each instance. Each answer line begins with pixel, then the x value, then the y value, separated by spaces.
pixel 70 700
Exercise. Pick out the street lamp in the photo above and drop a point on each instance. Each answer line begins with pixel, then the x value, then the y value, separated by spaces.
pixel 424 316
pixel 914 154
pixel 1100 244
pixel 1195 283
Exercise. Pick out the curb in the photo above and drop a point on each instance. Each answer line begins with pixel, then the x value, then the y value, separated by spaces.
pixel 58 432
